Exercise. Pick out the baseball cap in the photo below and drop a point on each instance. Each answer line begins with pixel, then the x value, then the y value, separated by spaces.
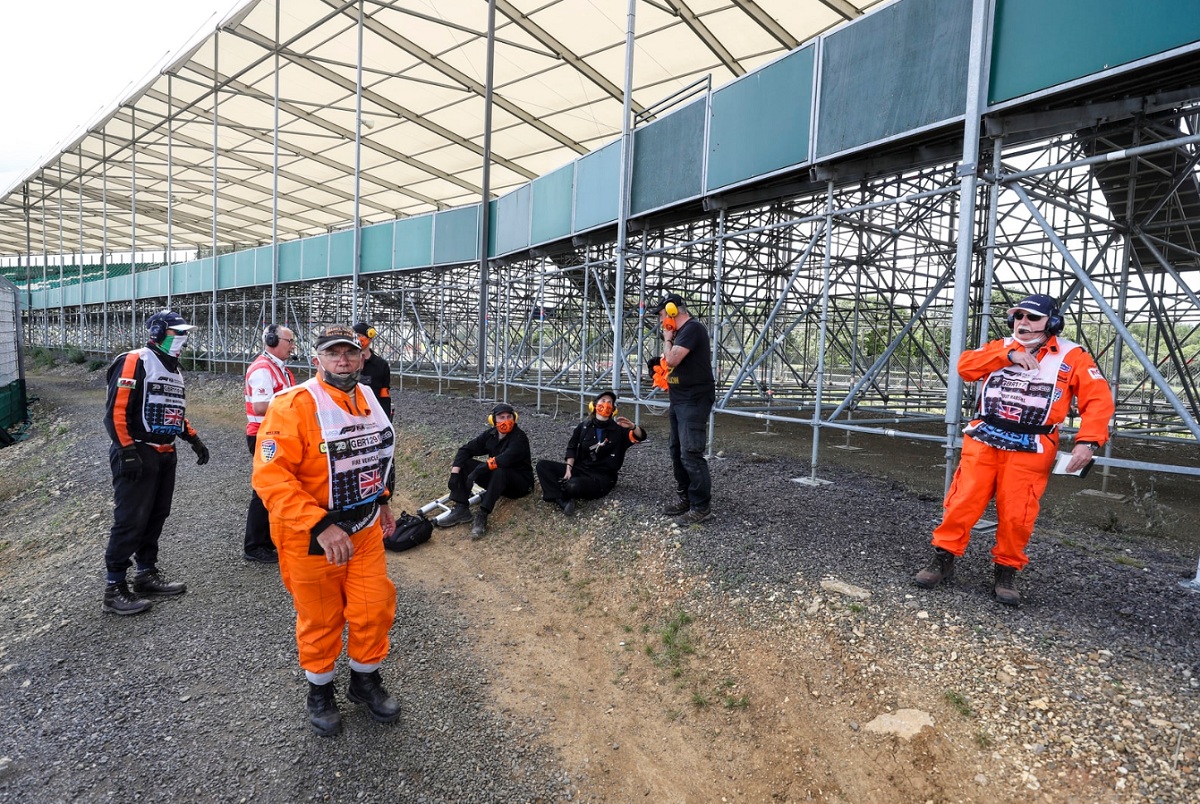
pixel 503 407
pixel 169 319
pixel 1038 304
pixel 334 334
pixel 363 328
pixel 670 298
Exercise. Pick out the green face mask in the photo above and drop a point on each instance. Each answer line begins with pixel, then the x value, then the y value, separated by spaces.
pixel 173 344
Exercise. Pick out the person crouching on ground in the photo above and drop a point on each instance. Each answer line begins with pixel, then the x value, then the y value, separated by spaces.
pixel 1029 381
pixel 323 468
pixel 508 471
pixel 595 454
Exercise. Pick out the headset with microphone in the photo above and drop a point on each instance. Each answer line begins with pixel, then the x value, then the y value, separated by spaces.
pixel 1054 322
pixel 271 336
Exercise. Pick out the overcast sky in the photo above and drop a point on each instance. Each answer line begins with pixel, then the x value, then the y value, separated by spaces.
pixel 62 61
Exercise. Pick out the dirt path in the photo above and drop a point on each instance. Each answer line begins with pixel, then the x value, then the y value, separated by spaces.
pixel 651 677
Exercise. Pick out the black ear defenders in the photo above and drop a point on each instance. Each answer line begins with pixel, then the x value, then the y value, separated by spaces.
pixel 592 404
pixel 1054 323
pixel 158 329
pixel 502 408
pixel 271 336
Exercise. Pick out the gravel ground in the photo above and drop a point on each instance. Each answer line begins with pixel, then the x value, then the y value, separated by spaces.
pixel 1091 685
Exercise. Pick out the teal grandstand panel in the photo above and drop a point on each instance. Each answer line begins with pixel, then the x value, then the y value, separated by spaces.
pixel 199 275
pixel 341 252
pixel 413 246
pixel 178 273
pixel 264 262
pixel 70 295
pixel 760 123
pixel 291 258
pixel 668 159
pixel 315 257
pixel 597 187
pixel 456 235
pixel 376 247
pixel 1042 43
pixel 245 274
pixel 551 213
pixel 120 288
pixel 894 71
pixel 510 221
pixel 93 293
pixel 227 271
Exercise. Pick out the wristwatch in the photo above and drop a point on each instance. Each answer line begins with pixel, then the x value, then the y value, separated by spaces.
pixel 1092 445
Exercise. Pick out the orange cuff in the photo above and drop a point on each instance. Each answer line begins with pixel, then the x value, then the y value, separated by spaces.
pixel 491 463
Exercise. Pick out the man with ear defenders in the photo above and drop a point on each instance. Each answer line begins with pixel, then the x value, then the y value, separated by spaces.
pixel 692 390
pixel 267 376
pixel 1028 383
pixel 376 373
pixel 144 413
pixel 595 454
pixel 508 471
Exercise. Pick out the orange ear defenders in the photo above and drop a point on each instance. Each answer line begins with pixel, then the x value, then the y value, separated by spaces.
pixel 502 408
pixel 596 403
pixel 671 310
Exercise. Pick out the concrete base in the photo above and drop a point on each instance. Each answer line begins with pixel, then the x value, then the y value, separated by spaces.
pixel 848 448
pixel 810 481
pixel 1104 495
pixel 984 527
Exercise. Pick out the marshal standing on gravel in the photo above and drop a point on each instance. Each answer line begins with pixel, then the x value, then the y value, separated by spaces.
pixel 267 376
pixel 687 354
pixel 144 414
pixel 1029 382
pixel 322 467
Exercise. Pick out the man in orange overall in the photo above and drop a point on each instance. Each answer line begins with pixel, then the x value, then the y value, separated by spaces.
pixel 1028 383
pixel 322 466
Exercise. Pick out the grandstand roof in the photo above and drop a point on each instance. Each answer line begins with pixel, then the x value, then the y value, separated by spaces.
pixel 558 78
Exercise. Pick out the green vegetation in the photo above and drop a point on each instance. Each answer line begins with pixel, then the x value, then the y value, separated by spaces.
pixel 960 703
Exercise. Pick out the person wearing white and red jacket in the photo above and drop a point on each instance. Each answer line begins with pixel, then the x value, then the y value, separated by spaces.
pixel 144 414
pixel 1029 381
pixel 266 376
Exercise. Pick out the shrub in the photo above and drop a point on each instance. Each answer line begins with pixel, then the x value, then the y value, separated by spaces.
pixel 76 356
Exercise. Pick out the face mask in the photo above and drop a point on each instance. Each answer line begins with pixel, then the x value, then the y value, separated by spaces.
pixel 1030 340
pixel 173 344
pixel 506 426
pixel 342 382
pixel 604 409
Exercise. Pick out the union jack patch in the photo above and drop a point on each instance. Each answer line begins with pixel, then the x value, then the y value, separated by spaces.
pixel 267 450
pixel 126 382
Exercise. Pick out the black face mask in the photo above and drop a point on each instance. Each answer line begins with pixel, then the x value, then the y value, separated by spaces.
pixel 342 382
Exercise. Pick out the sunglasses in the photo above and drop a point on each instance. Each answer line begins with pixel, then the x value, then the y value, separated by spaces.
pixel 1021 315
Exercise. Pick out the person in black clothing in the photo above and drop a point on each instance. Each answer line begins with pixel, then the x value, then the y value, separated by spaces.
pixel 692 390
pixel 144 414
pixel 376 373
pixel 508 471
pixel 594 457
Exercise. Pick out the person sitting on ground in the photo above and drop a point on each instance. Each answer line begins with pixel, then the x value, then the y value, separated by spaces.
pixel 595 454
pixel 508 471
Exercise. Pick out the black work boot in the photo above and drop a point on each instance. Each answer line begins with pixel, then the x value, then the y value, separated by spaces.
pixel 479 527
pixel 153 582
pixel 461 512
pixel 568 507
pixel 367 689
pixel 694 516
pixel 119 600
pixel 1006 585
pixel 323 714
pixel 941 568
pixel 679 505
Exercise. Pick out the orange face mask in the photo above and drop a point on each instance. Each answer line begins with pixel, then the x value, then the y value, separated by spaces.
pixel 604 408
pixel 364 341
pixel 505 425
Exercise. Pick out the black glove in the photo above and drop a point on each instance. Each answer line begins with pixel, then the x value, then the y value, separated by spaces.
pixel 200 450
pixel 129 463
